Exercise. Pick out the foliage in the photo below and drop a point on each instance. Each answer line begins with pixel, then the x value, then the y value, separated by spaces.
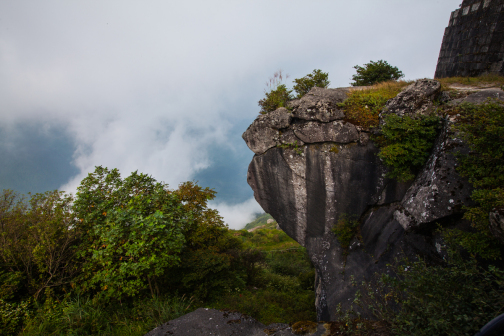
pixel 83 316
pixel 453 299
pixel 315 79
pixel 375 72
pixel 12 316
pixel 210 271
pixel 277 94
pixel 363 107
pixel 345 229
pixel 36 243
pixel 210 261
pixel 123 239
pixel 132 229
pixel 479 243
pixel 272 306
pixel 281 287
pixel 267 240
pixel 294 145
pixel 482 128
pixel 406 143
pixel 278 97
pixel 290 263
pixel 259 220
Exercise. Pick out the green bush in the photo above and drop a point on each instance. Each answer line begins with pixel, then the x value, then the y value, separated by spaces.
pixel 290 263
pixel 454 299
pixel 316 79
pixel 132 231
pixel 278 97
pixel 375 72
pixel 83 316
pixel 277 94
pixel 37 243
pixel 482 128
pixel 406 144
pixel 272 306
pixel 12 316
pixel 345 230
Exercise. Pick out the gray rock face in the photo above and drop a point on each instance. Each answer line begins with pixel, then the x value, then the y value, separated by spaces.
pixel 481 97
pixel 206 322
pixel 335 131
pixel 438 191
pixel 319 104
pixel 263 134
pixel 336 173
pixel 415 99
pixel 497 224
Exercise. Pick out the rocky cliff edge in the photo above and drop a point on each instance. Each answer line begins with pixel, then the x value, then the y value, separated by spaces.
pixel 311 167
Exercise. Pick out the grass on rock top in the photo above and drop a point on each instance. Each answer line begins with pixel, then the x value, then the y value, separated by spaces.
pixel 364 105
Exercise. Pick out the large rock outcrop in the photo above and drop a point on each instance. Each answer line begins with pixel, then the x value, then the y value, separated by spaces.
pixel 313 167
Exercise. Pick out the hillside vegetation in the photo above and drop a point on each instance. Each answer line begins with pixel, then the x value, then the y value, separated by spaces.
pixel 126 254
pixel 260 220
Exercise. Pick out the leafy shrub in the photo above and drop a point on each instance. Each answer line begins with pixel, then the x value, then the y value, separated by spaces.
pixel 83 316
pixel 454 299
pixel 272 306
pixel 345 230
pixel 36 243
pixel 290 263
pixel 363 107
pixel 12 316
pixel 375 72
pixel 482 128
pixel 316 79
pixel 277 94
pixel 406 144
pixel 278 97
pixel 282 283
pixel 133 229
pixel 307 279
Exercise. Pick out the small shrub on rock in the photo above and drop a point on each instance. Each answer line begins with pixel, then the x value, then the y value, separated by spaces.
pixel 375 72
pixel 345 230
pixel 406 144
pixel 316 79
pixel 277 94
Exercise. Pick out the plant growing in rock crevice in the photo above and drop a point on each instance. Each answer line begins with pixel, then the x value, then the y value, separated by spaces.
pixel 294 145
pixel 482 129
pixel 316 79
pixel 345 229
pixel 406 143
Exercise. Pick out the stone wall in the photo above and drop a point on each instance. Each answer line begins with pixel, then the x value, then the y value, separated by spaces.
pixel 473 42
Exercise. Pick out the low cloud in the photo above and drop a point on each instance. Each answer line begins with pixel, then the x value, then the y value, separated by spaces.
pixel 238 215
pixel 157 86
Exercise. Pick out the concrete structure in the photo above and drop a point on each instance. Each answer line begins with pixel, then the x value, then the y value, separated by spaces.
pixel 473 43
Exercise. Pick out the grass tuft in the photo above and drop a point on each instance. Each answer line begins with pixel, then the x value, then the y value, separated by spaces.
pixel 363 106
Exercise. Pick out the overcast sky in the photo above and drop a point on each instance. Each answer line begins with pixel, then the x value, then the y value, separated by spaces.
pixel 168 87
